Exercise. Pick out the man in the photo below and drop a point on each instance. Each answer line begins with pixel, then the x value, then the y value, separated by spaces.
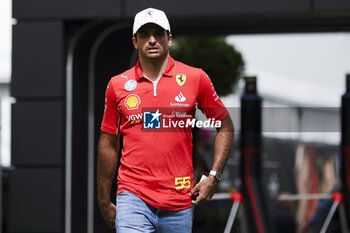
pixel 156 191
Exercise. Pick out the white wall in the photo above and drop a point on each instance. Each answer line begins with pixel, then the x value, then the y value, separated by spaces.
pixel 297 70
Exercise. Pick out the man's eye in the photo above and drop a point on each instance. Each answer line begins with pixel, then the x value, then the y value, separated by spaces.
pixel 143 34
pixel 159 33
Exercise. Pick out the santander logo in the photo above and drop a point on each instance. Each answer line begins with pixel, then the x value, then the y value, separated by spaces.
pixel 180 97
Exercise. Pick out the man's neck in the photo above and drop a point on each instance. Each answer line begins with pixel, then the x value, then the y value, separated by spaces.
pixel 153 69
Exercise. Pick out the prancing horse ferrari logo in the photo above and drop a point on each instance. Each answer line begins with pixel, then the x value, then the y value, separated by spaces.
pixel 181 79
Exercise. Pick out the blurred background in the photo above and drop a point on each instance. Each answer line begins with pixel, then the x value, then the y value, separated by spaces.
pixel 56 59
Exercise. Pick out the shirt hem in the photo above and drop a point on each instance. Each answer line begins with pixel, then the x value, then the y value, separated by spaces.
pixel 151 203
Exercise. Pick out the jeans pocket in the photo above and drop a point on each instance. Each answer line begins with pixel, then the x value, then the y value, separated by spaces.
pixel 126 196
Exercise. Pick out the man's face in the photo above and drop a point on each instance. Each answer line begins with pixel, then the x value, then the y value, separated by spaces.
pixel 152 41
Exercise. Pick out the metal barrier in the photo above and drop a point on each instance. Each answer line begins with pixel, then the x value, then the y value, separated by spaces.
pixel 337 199
pixel 237 199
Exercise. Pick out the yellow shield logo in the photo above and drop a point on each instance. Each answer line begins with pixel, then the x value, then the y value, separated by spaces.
pixel 181 79
pixel 132 101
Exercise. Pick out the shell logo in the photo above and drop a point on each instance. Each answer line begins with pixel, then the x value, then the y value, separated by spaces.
pixel 132 101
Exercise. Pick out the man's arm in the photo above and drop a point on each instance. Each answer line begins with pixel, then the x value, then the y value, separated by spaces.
pixel 223 143
pixel 108 148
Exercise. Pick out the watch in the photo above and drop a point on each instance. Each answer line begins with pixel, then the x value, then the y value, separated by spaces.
pixel 216 174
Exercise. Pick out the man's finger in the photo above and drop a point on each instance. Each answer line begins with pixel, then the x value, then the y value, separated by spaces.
pixel 112 224
pixel 194 190
pixel 198 200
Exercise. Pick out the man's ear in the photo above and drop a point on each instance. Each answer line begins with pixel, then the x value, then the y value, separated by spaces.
pixel 134 41
pixel 170 39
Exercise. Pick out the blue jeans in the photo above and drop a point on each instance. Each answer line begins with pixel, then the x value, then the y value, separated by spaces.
pixel 134 215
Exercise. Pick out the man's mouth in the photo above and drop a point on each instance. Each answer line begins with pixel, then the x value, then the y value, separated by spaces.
pixel 152 49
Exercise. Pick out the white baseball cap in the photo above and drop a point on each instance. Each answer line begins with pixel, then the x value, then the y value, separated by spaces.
pixel 150 15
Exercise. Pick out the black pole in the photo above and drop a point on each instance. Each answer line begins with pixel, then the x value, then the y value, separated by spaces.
pixel 345 146
pixel 255 207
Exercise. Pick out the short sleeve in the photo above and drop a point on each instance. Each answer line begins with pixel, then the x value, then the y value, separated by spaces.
pixel 208 99
pixel 111 121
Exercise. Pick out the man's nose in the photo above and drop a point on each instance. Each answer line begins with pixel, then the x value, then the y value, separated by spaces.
pixel 152 39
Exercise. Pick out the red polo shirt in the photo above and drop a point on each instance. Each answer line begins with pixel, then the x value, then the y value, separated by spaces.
pixel 156 162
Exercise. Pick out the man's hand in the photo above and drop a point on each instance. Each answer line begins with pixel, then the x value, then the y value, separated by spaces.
pixel 108 212
pixel 206 189
pixel 108 148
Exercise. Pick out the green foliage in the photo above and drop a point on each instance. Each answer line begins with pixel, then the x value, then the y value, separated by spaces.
pixel 221 61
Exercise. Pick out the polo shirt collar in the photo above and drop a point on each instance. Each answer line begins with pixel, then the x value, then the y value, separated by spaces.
pixel 169 71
